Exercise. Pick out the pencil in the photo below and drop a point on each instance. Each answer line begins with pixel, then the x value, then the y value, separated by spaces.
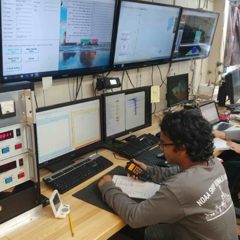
pixel 70 224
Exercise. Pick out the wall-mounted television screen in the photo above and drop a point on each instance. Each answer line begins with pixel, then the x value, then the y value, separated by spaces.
pixel 57 38
pixel 177 89
pixel 195 34
pixel 145 34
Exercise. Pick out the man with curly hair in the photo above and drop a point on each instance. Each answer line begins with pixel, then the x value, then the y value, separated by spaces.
pixel 193 203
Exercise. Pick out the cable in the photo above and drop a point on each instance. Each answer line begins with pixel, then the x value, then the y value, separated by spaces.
pixel 35 97
pixel 155 107
pixel 162 81
pixel 129 79
pixel 44 98
pixel 169 68
pixel 152 76
pixel 107 74
pixel 123 72
pixel 115 154
pixel 76 88
pixel 193 76
pixel 69 90
pixel 79 86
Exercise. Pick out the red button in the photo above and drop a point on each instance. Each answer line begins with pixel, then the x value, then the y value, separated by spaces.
pixel 21 175
pixel 18 146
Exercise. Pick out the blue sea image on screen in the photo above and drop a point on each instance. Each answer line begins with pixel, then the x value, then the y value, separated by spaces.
pixel 79 46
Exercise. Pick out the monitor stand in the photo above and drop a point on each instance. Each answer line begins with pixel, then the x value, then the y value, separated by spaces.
pixel 54 167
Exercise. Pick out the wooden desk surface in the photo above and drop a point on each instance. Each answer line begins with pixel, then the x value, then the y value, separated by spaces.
pixel 89 221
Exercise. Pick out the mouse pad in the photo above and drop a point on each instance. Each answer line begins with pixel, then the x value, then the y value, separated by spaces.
pixel 92 195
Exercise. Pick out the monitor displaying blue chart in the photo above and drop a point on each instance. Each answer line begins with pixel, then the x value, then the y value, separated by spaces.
pixel 195 34
pixel 145 34
pixel 126 111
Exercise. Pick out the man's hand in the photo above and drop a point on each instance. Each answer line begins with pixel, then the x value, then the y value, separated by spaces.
pixel 106 178
pixel 234 146
pixel 140 164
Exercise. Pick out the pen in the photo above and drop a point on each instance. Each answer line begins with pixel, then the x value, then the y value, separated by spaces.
pixel 70 224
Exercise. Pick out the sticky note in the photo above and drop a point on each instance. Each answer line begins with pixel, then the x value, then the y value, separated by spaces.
pixel 155 94
pixel 46 82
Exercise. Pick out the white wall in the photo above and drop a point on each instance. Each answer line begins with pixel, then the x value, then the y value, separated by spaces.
pixel 62 89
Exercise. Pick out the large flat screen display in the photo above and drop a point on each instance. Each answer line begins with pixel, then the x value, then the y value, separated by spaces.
pixel 56 38
pixel 145 34
pixel 195 34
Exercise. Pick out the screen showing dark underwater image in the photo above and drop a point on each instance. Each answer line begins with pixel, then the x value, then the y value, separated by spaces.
pixel 195 34
pixel 177 89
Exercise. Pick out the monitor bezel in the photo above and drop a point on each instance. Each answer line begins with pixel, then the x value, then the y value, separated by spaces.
pixel 60 74
pixel 126 66
pixel 186 78
pixel 231 87
pixel 77 152
pixel 148 111
pixel 203 104
pixel 193 57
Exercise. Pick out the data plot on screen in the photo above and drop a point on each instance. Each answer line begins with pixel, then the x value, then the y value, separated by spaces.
pixel 115 114
pixel 135 110
pixel 71 128
pixel 126 111
pixel 51 127
pixel 86 124
pixel 145 33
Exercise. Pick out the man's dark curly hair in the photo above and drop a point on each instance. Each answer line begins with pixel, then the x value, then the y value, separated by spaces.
pixel 189 128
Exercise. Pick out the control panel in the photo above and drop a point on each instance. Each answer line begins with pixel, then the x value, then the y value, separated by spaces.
pixel 13 141
pixel 19 180
pixel 14 171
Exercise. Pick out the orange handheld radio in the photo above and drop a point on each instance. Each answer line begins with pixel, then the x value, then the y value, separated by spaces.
pixel 135 170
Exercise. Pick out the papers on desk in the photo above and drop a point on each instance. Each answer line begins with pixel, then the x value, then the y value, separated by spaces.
pixel 220 144
pixel 136 188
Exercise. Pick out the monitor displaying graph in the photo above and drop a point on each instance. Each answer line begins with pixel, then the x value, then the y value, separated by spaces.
pixel 126 111
pixel 69 128
pixel 145 34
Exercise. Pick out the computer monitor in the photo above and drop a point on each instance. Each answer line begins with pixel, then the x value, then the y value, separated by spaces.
pixel 145 34
pixel 65 131
pixel 195 34
pixel 57 38
pixel 232 84
pixel 126 111
pixel 177 89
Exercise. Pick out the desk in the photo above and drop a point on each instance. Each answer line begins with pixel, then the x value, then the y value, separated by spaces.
pixel 90 222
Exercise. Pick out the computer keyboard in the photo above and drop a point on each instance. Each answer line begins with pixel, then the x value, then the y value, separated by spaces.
pixel 223 126
pixel 138 145
pixel 76 173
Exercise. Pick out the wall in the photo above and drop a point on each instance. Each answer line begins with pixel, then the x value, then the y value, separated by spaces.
pixel 62 89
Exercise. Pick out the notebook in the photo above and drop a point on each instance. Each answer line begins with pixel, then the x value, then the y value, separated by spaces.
pixel 210 112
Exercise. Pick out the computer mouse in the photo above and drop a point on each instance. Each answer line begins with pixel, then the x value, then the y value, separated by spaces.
pixel 160 155
pixel 131 138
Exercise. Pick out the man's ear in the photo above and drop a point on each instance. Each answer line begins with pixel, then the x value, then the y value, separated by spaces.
pixel 181 149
